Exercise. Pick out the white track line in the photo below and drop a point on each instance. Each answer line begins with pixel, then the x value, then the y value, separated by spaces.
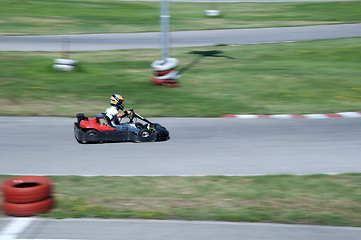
pixel 14 228
pixel 291 116
pixel 350 114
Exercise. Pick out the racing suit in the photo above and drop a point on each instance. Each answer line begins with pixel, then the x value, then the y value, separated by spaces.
pixel 111 112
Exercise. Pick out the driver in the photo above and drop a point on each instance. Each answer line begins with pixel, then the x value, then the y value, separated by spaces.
pixel 115 117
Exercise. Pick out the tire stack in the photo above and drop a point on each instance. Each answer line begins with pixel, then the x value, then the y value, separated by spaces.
pixel 165 72
pixel 212 13
pixel 65 65
pixel 27 195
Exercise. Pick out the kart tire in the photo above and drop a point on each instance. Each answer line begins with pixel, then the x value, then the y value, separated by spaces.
pixel 91 132
pixel 91 136
pixel 144 135
pixel 26 189
pixel 28 209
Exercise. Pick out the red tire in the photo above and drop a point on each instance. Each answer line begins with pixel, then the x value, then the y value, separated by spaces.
pixel 162 81
pixel 156 81
pixel 162 73
pixel 170 84
pixel 26 189
pixel 28 209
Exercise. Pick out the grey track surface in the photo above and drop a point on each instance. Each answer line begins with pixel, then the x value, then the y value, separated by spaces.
pixel 45 145
pixel 177 230
pixel 92 42
pixel 214 146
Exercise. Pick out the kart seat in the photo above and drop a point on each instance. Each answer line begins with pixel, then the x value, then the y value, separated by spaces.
pixel 103 119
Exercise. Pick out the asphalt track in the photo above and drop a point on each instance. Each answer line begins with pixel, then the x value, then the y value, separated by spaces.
pixel 45 145
pixel 211 146
pixel 32 145
pixel 90 229
pixel 149 40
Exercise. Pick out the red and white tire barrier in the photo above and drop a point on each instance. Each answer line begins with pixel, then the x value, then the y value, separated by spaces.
pixel 294 116
pixel 165 72
pixel 27 196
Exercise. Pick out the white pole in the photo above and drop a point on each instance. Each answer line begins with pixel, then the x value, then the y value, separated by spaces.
pixel 164 19
pixel 65 47
pixel 165 69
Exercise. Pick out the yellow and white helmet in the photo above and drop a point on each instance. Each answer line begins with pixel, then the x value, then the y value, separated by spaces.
pixel 117 101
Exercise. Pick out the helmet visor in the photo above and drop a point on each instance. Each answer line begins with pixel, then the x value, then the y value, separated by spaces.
pixel 120 105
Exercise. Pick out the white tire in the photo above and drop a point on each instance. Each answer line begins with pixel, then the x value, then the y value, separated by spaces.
pixel 63 61
pixel 64 68
pixel 161 65
pixel 212 13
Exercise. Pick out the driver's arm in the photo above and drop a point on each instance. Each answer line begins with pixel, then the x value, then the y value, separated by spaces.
pixel 123 114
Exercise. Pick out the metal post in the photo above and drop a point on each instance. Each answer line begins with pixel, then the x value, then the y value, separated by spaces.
pixel 165 69
pixel 65 47
pixel 164 20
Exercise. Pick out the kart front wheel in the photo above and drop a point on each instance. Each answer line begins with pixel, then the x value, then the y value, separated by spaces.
pixel 144 135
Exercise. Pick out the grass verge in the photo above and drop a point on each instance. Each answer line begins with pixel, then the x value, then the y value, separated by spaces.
pixel 27 17
pixel 310 199
pixel 320 76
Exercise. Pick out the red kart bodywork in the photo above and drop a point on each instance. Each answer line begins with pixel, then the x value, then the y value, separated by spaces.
pixel 92 123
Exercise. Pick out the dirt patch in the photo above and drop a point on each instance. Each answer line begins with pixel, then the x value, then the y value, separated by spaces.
pixel 40 20
pixel 214 21
pixel 46 108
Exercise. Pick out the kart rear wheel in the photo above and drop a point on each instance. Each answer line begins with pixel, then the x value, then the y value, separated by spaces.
pixel 91 132
pixel 91 136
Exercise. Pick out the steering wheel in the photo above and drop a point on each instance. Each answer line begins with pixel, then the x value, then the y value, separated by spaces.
pixel 131 116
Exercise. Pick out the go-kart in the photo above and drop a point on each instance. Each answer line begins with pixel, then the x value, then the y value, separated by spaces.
pixel 100 129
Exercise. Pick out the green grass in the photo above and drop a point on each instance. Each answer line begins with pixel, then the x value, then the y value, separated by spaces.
pixel 19 17
pixel 303 77
pixel 310 199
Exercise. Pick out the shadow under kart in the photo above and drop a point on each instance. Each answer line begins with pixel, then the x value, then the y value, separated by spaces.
pixel 100 129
